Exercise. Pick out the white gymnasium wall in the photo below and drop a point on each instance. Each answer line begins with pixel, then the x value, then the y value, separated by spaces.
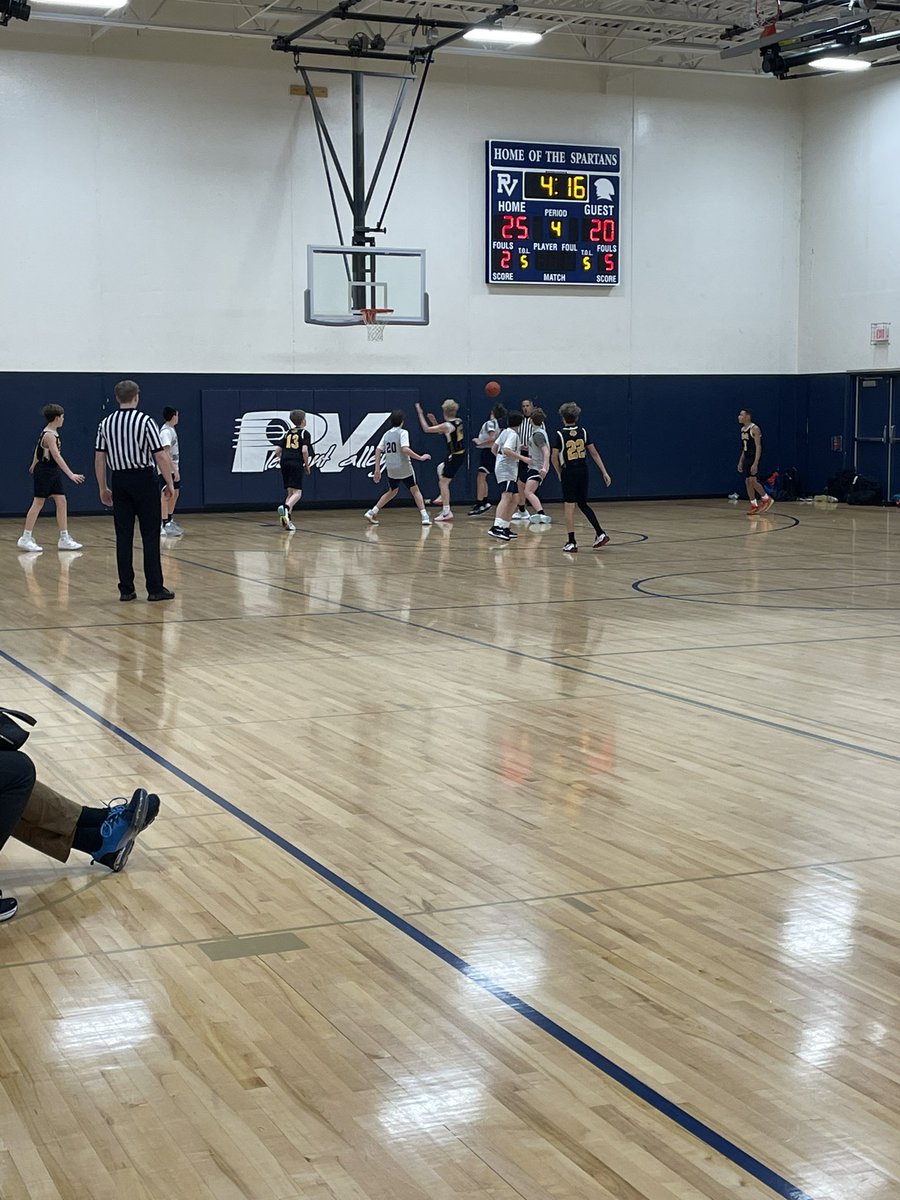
pixel 162 193
pixel 850 234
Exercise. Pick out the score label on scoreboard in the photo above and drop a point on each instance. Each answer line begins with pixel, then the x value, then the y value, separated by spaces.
pixel 553 213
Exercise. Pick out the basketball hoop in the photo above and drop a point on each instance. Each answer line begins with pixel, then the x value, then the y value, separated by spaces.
pixel 374 327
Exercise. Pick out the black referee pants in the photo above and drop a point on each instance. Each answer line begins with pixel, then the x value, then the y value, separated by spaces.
pixel 136 494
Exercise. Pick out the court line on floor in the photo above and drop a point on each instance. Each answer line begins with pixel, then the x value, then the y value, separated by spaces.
pixel 646 689
pixel 679 1116
pixel 653 883
pixel 862 637
pixel 36 962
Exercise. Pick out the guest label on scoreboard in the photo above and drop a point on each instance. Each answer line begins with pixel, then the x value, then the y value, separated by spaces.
pixel 553 213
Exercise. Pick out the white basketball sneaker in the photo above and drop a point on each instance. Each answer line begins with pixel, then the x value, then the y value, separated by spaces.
pixel 27 542
pixel 67 542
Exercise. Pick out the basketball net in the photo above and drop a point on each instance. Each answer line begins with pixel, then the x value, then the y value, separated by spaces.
pixel 374 327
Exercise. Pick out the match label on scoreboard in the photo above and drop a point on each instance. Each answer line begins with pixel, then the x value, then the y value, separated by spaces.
pixel 553 214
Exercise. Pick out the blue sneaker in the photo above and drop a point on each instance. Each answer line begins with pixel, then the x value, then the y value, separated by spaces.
pixel 121 827
pixel 116 859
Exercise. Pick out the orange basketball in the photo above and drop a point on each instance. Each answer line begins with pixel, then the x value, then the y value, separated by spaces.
pixel 492 389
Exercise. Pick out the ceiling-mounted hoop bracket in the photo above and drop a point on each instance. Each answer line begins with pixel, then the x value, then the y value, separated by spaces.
pixel 357 190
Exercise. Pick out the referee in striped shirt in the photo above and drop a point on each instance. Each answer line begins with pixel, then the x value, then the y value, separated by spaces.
pixel 128 443
pixel 525 432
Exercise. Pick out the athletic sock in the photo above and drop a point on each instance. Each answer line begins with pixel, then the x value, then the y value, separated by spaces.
pixel 501 524
pixel 87 837
pixel 521 508
pixel 571 537
pixel 445 509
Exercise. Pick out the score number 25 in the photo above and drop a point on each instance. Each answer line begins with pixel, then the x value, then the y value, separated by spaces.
pixel 514 227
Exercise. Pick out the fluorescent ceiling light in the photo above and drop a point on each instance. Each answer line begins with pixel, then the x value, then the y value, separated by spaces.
pixel 509 37
pixel 97 5
pixel 841 64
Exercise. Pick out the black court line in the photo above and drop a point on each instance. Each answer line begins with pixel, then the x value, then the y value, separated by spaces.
pixel 653 883
pixel 709 597
pixel 862 637
pixel 646 689
pixel 637 1087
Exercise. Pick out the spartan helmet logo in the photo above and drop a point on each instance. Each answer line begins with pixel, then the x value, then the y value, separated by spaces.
pixel 604 189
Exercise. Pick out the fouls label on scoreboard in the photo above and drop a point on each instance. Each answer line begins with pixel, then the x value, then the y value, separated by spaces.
pixel 553 213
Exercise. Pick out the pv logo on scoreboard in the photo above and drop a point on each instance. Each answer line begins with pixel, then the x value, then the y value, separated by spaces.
pixel 553 214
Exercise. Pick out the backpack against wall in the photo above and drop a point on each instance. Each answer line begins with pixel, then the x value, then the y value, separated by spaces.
pixel 839 485
pixel 865 491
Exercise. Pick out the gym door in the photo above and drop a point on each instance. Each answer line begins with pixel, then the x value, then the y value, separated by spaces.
pixel 876 446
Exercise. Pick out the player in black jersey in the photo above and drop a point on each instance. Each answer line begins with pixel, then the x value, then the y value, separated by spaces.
pixel 452 429
pixel 293 454
pixel 48 468
pixel 570 454
pixel 748 463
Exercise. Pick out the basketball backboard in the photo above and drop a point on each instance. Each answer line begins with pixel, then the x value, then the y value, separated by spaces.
pixel 341 280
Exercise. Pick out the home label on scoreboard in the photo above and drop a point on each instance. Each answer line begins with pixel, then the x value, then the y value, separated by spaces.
pixel 553 213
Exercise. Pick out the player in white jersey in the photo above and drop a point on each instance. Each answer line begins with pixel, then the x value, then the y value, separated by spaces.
pixel 394 449
pixel 509 459
pixel 485 443
pixel 536 473
pixel 168 435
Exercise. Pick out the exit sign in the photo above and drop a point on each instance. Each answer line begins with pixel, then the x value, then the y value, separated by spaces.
pixel 881 334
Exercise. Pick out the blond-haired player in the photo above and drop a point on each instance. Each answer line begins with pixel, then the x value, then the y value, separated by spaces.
pixel 452 429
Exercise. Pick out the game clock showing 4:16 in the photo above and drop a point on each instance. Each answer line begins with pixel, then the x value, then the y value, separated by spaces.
pixel 553 213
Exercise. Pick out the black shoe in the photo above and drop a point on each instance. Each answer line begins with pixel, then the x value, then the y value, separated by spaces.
pixel 165 594
pixel 9 906
pixel 510 534
pixel 127 596
pixel 475 512
pixel 501 534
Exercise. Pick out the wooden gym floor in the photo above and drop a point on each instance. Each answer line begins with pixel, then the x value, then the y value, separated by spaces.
pixel 481 871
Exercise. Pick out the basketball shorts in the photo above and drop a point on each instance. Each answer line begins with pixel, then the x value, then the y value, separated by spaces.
pixel 507 485
pixel 523 468
pixel 292 475
pixel 451 465
pixel 48 481
pixel 408 481
pixel 574 487
pixel 532 474
pixel 487 461
pixel 760 473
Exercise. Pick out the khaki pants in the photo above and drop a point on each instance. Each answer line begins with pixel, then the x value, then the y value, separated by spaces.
pixel 48 822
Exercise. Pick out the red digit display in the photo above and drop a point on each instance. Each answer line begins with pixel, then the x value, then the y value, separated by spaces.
pixel 505 260
pixel 506 230
pixel 602 229
pixel 522 228
pixel 609 261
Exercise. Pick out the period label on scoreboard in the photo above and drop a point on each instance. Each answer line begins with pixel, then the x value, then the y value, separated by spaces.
pixel 553 214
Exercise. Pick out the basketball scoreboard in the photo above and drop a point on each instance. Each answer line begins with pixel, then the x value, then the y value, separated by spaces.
pixel 553 214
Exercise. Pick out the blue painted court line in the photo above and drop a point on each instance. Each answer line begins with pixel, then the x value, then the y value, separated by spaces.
pixel 667 1108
